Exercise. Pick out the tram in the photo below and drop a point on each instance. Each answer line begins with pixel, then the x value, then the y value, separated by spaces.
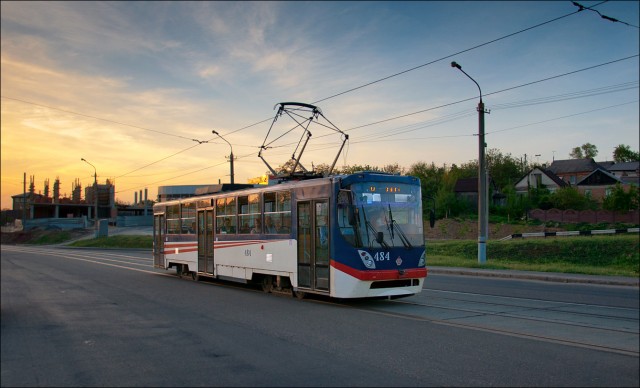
pixel 344 236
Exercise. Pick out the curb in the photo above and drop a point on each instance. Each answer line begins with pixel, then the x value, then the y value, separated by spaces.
pixel 541 276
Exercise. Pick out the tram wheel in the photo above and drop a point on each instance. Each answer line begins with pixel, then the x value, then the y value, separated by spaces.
pixel 179 270
pixel 267 284
pixel 299 294
pixel 195 276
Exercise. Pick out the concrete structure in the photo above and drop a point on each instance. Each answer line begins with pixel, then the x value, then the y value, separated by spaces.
pixel 36 206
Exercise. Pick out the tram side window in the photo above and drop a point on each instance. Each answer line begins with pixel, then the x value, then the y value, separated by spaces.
pixel 249 214
pixel 173 219
pixel 189 218
pixel 277 212
pixel 226 215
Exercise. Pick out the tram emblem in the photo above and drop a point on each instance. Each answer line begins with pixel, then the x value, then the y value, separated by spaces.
pixel 367 260
pixel 398 261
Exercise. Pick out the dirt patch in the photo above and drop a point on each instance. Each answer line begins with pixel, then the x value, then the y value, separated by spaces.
pixel 450 229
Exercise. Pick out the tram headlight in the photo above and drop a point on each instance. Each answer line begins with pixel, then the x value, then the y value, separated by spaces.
pixel 423 261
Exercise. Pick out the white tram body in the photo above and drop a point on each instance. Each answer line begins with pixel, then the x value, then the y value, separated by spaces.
pixel 325 241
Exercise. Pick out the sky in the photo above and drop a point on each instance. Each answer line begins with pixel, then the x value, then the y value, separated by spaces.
pixel 136 88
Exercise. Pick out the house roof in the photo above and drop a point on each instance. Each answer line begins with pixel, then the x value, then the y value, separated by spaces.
pixel 625 166
pixel 556 179
pixel 599 177
pixel 466 185
pixel 470 185
pixel 560 167
pixel 606 164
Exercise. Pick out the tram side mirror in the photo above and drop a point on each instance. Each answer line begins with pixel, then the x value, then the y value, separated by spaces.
pixel 379 237
pixel 432 218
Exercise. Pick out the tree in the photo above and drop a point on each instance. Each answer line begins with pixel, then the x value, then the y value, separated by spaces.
pixel 504 169
pixel 570 198
pixel 621 200
pixel 623 153
pixel 587 150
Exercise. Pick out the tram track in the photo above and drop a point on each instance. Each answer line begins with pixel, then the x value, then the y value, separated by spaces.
pixel 561 305
pixel 616 333
pixel 591 326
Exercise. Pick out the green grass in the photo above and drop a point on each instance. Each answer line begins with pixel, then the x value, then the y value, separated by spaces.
pixel 596 255
pixel 612 255
pixel 51 238
pixel 119 241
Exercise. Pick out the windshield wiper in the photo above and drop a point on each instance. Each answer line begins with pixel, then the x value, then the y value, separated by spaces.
pixel 379 235
pixel 403 237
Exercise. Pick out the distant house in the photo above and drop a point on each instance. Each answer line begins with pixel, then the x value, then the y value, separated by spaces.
pixel 573 170
pixel 539 178
pixel 598 184
pixel 467 188
pixel 625 169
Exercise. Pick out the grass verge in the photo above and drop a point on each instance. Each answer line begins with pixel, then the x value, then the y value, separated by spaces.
pixel 616 255
pixel 118 241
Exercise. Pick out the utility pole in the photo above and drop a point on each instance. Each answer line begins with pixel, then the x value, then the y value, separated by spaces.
pixel 230 156
pixel 483 205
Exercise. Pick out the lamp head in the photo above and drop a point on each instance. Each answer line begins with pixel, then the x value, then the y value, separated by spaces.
pixel 83 159
pixel 455 64
pixel 215 133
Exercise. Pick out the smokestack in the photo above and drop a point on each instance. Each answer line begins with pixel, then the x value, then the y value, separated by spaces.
pixel 135 198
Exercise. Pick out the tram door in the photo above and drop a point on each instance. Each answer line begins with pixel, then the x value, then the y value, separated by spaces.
pixel 313 245
pixel 158 241
pixel 205 241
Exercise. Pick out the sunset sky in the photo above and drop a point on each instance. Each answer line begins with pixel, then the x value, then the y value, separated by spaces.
pixel 136 88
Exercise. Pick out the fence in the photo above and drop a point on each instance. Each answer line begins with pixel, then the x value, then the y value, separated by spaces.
pixel 571 233
pixel 134 221
pixel 588 216
pixel 57 223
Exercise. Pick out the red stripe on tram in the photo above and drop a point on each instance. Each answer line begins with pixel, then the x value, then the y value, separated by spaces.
pixel 380 274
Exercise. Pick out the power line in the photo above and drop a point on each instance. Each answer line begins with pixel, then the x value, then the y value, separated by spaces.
pixel 352 89
pixel 563 117
pixel 451 55
pixel 605 17
pixel 491 93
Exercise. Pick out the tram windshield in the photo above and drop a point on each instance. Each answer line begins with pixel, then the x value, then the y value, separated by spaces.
pixel 381 214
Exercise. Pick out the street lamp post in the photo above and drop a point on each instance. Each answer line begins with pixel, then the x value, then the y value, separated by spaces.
pixel 230 156
pixel 95 191
pixel 483 206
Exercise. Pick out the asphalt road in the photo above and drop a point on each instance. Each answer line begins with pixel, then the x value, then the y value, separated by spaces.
pixel 107 318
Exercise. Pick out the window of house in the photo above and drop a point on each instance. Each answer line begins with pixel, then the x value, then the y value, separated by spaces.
pixel 538 180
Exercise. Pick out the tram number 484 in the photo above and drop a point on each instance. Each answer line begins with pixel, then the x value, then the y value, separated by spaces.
pixel 381 256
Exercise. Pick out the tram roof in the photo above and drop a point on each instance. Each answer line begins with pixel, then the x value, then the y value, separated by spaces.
pixel 288 182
